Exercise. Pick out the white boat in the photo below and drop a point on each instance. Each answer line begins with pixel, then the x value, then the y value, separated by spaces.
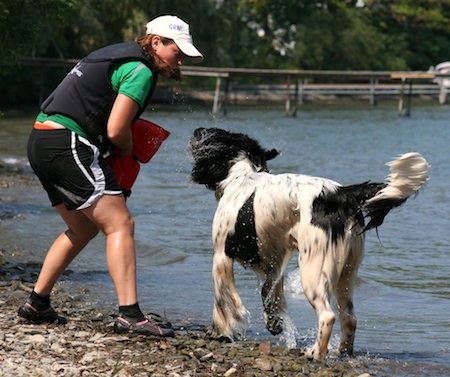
pixel 443 67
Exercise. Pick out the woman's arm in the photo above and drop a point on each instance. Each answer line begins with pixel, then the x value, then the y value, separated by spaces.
pixel 119 131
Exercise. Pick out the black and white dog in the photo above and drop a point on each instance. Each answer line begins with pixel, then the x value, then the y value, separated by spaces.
pixel 262 220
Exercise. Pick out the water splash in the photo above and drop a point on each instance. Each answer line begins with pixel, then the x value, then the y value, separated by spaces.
pixel 293 286
pixel 290 333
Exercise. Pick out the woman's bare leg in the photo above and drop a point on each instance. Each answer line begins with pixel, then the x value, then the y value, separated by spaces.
pixel 65 248
pixel 112 216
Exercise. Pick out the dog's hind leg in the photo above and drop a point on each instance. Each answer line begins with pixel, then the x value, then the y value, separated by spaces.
pixel 318 275
pixel 344 295
pixel 274 301
pixel 318 296
pixel 228 313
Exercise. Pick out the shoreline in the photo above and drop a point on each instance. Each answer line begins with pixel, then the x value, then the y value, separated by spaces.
pixel 87 345
pixel 177 99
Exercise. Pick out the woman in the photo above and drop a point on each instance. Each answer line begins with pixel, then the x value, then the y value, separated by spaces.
pixel 87 117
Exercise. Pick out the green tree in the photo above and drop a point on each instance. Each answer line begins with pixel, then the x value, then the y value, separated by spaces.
pixel 24 23
pixel 71 29
pixel 282 34
pixel 423 24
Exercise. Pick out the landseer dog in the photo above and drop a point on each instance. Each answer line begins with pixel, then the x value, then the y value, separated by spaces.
pixel 262 220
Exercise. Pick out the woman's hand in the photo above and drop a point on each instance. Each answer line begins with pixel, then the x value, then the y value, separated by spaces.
pixel 119 132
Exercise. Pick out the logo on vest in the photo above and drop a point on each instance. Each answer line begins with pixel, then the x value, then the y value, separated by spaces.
pixel 76 71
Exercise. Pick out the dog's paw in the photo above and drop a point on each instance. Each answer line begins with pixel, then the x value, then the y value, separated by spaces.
pixel 212 334
pixel 274 325
pixel 223 339
pixel 346 350
pixel 313 354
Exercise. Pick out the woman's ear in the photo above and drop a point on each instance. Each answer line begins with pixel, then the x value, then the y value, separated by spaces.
pixel 156 40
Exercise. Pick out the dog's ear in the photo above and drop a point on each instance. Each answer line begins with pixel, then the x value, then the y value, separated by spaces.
pixel 269 155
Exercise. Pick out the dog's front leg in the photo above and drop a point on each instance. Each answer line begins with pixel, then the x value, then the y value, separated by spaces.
pixel 274 302
pixel 229 314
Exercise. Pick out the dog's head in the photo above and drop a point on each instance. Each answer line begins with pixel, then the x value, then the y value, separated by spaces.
pixel 216 150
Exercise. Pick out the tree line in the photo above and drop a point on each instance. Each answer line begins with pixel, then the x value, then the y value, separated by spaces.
pixel 280 34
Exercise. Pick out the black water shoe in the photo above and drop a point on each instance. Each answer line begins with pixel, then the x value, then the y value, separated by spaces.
pixel 144 327
pixel 48 315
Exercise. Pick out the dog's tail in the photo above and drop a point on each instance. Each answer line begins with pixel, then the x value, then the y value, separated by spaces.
pixel 409 173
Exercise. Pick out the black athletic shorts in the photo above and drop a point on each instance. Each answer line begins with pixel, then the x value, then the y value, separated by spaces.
pixel 70 168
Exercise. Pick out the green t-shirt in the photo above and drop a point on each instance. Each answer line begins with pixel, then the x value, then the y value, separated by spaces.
pixel 132 79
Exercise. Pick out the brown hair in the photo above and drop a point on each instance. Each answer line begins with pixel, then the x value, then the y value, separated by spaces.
pixel 161 66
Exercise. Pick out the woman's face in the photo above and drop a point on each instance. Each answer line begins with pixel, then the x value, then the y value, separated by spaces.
pixel 168 52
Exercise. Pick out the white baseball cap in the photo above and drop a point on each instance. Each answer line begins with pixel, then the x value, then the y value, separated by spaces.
pixel 174 28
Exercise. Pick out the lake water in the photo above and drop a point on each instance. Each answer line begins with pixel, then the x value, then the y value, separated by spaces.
pixel 403 295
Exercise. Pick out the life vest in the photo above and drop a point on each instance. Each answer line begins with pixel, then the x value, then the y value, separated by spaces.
pixel 86 94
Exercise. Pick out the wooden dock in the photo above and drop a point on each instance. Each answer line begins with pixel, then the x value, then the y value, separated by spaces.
pixel 407 78
pixel 295 85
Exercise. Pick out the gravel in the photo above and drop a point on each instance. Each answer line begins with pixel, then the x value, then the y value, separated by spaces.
pixel 87 345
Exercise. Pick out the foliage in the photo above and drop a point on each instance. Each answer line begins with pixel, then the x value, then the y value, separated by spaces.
pixel 282 34
pixel 27 24
pixel 423 24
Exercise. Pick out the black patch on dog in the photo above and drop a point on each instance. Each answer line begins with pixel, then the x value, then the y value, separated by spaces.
pixel 332 210
pixel 243 243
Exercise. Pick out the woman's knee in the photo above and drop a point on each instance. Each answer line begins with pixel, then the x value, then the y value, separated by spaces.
pixel 120 225
pixel 82 235
pixel 129 224
pixel 111 215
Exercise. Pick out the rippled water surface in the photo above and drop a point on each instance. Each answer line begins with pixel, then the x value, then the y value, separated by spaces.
pixel 403 295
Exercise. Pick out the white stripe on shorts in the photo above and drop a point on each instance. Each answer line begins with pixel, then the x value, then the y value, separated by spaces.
pixel 99 181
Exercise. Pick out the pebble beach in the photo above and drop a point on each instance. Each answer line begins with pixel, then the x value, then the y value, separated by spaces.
pixel 87 345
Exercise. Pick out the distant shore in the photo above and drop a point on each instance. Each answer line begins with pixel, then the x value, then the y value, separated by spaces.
pixel 257 95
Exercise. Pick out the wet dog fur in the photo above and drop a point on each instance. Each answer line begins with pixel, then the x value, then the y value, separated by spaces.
pixel 263 220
